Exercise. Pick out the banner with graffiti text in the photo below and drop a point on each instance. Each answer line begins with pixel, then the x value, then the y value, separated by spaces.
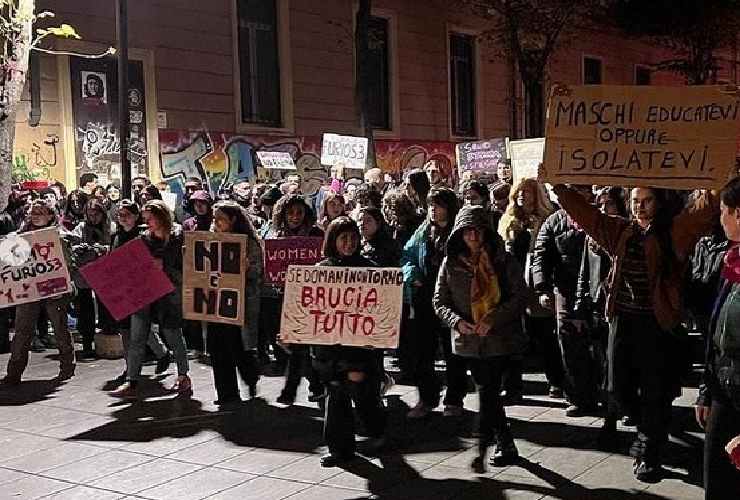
pixel 32 267
pixel 279 253
pixel 351 306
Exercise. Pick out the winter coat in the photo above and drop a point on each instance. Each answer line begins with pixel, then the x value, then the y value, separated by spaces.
pixel 88 243
pixel 452 301
pixel 556 259
pixel 169 307
pixel 333 362
pixel 706 266
pixel 592 280
pixel 612 234
pixel 122 236
pixel 722 368
pixel 382 250
pixel 415 262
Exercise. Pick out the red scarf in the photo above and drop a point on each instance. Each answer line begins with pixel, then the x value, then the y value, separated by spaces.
pixel 731 269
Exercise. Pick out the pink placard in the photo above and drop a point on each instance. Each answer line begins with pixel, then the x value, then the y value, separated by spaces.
pixel 283 252
pixel 127 279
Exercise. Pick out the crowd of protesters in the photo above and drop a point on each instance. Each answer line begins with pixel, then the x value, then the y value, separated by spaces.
pixel 597 283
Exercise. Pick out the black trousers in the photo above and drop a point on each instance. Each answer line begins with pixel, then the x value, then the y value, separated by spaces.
pixel 339 420
pixel 542 332
pixel 299 365
pixel 5 316
pixel 642 355
pixel 85 307
pixel 193 333
pixel 269 327
pixel 227 357
pixel 487 374
pixel 581 367
pixel 426 337
pixel 721 478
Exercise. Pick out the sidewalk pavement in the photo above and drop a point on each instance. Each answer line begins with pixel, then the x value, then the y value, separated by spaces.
pixel 73 441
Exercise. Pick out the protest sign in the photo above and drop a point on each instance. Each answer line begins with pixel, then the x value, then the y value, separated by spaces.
pixel 127 279
pixel 669 137
pixel 276 160
pixel 170 199
pixel 526 156
pixel 480 157
pixel 32 267
pixel 352 306
pixel 214 277
pixel 347 150
pixel 283 252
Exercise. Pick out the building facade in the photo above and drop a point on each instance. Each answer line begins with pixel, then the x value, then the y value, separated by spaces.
pixel 212 82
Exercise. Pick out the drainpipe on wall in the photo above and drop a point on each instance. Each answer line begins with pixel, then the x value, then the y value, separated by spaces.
pixel 34 74
pixel 123 127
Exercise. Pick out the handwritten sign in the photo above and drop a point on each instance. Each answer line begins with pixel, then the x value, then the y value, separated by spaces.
pixel 671 137
pixel 352 306
pixel 127 279
pixel 276 160
pixel 214 277
pixel 480 156
pixel 347 150
pixel 526 156
pixel 32 267
pixel 283 252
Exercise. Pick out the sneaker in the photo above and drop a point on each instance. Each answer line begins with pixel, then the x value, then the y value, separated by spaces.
pixel 183 386
pixel 647 473
pixel 126 391
pixel 286 399
pixel 163 363
pixel 505 455
pixel 555 392
pixel 336 460
pixel 419 411
pixel 453 411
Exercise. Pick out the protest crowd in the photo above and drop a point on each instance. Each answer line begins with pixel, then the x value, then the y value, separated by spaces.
pixel 595 284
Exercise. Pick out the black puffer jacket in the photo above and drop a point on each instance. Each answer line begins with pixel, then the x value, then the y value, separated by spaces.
pixel 452 295
pixel 556 260
pixel 332 362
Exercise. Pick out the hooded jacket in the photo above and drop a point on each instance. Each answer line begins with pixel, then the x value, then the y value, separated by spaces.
pixel 452 301
pixel 199 222
pixel 556 259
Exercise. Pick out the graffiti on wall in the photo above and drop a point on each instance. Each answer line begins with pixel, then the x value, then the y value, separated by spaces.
pixel 222 159
pixel 38 162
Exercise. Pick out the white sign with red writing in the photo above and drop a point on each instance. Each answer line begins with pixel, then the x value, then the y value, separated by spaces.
pixel 351 306
pixel 32 267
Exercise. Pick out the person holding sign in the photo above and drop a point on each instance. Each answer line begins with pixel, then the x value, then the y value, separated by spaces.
pixel 165 241
pixel 643 306
pixel 292 216
pixel 41 215
pixel 350 374
pixel 480 295
pixel 233 348
pixel 718 406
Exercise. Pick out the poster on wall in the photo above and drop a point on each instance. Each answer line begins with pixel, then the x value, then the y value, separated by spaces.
pixel 664 137
pixel 279 253
pixel 32 267
pixel 127 279
pixel 480 158
pixel 526 156
pixel 276 160
pixel 351 306
pixel 94 85
pixel 214 277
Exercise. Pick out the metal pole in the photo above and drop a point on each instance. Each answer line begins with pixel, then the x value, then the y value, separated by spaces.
pixel 123 127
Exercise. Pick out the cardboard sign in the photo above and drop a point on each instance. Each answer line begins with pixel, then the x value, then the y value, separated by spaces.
pixel 670 137
pixel 352 306
pixel 127 279
pixel 214 277
pixel 526 156
pixel 480 156
pixel 348 150
pixel 283 252
pixel 32 267
pixel 276 160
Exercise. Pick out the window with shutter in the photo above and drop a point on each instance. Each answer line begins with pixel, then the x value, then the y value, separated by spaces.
pixel 591 71
pixel 379 85
pixel 462 84
pixel 642 75
pixel 259 62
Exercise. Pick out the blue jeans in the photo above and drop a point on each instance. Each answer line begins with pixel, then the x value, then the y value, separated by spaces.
pixel 140 327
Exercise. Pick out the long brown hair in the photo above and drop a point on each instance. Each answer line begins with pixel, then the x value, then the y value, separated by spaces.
pixel 160 210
